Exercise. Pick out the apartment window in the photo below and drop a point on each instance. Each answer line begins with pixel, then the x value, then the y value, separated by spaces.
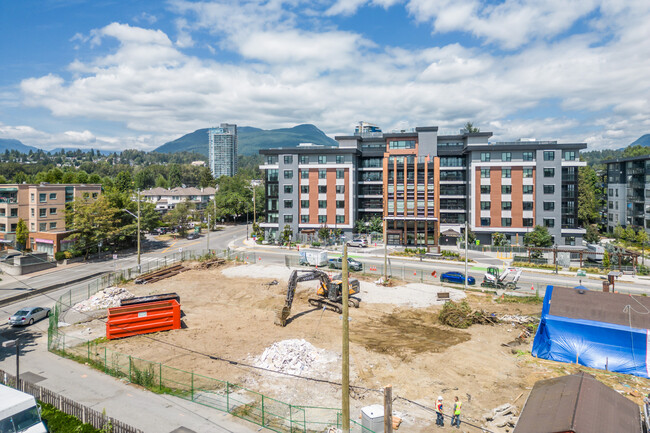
pixel 33 227
pixel 611 205
pixel 13 212
pixel 340 219
pixel 304 174
pixel 527 189
pixel 271 159
pixel 340 173
pixel 527 222
pixel 273 218
pixel 506 156
pixel 340 189
pixel 485 156
pixel 505 172
pixel 528 205
pixel 401 144
pixel 288 174
pixel 322 173
pixel 288 189
pixel 304 159
pixel 52 225
pixel 322 204
pixel 304 189
pixel 288 159
pixel 549 205
pixel 485 222
pixel 611 192
pixel 549 172
pixel 288 219
pixel 340 159
pixel 528 172
pixel 506 205
pixel 304 218
pixel 506 189
pixel 42 198
pixel 3 228
pixel 340 204
pixel 570 155
pixel 549 155
pixel 53 196
pixel 485 205
pixel 549 222
pixel 304 204
pixel 322 159
pixel 549 189
pixel 42 227
pixel 41 213
pixel 506 222
pixel 528 156
pixel 485 189
pixel 32 209
pixel 32 197
pixel 272 190
pixel 272 175
pixel 3 214
pixel 570 240
pixel 322 219
pixel 485 173
pixel 322 189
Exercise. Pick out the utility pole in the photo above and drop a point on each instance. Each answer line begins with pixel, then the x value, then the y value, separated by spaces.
pixel 385 254
pixel 388 409
pixel 555 257
pixel 466 236
pixel 138 231
pixel 345 352
pixel 208 232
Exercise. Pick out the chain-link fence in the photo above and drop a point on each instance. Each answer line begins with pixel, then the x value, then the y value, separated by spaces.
pixel 228 397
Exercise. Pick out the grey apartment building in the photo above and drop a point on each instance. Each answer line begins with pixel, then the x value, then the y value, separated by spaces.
pixel 423 184
pixel 222 150
pixel 628 192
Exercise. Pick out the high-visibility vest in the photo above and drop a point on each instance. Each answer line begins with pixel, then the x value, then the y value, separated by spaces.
pixel 457 406
pixel 439 407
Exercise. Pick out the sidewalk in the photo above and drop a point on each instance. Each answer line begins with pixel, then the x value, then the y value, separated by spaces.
pixel 150 412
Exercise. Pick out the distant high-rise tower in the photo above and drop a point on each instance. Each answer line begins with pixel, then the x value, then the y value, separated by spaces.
pixel 222 150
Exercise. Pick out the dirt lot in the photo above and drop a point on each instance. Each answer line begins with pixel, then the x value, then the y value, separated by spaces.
pixel 232 316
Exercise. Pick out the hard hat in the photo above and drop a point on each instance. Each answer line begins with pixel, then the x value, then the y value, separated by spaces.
pixel 439 397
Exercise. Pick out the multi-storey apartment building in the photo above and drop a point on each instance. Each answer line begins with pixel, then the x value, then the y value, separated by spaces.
pixel 628 192
pixel 422 184
pixel 222 150
pixel 42 207
pixel 167 199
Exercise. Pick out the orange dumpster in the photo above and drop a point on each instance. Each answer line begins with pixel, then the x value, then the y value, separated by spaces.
pixel 143 318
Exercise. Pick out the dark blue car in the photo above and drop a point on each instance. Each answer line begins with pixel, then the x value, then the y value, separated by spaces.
pixel 456 277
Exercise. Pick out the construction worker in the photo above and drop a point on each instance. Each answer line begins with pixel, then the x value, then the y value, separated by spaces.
pixel 455 418
pixel 440 421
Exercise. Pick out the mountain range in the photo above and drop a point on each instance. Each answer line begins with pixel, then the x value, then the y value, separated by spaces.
pixel 250 140
pixel 644 140
pixel 12 144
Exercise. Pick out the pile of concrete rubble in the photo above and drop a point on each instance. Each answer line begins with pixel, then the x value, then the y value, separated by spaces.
pixel 502 419
pixel 107 298
pixel 296 357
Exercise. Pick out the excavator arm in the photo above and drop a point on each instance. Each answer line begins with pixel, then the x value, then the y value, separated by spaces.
pixel 298 276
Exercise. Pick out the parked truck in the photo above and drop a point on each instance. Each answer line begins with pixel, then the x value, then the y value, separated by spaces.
pixel 312 257
pixel 19 412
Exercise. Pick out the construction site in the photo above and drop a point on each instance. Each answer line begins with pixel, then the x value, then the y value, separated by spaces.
pixel 232 329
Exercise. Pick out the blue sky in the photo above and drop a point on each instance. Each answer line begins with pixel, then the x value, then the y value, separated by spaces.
pixel 116 74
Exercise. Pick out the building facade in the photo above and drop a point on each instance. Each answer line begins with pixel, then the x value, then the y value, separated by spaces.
pixel 628 192
pixel 42 207
pixel 423 184
pixel 167 199
pixel 222 150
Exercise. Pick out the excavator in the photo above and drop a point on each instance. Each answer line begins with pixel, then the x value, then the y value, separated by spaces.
pixel 493 278
pixel 329 292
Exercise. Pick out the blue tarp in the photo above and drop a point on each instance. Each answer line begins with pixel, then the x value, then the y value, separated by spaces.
pixel 595 344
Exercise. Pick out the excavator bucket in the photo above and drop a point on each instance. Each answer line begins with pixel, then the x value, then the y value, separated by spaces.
pixel 282 316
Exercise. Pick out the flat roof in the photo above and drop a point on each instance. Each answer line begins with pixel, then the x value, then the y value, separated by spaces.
pixel 526 145
pixel 629 158
pixel 309 150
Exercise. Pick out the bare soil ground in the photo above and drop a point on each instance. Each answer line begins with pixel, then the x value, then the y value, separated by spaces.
pixel 232 317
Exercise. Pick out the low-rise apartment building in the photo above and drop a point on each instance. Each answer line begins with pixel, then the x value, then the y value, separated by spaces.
pixel 167 199
pixel 628 192
pixel 423 184
pixel 42 207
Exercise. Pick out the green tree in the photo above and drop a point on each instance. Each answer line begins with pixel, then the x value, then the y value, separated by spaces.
pixel 93 221
pixel 369 225
pixel 606 263
pixel 94 178
pixel 82 177
pixel 324 233
pixel 287 234
pixel 22 234
pixel 629 234
pixel 181 216
pixel 641 236
pixel 538 237
pixel 471 237
pixel 499 239
pixel 234 197
pixel 619 232
pixel 124 181
pixel 589 203
pixel 205 178
pixel 592 236
pixel 175 176
pixel 469 127
pixel 161 182
pixel 3 179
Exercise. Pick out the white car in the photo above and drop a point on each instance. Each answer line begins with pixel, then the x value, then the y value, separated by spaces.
pixel 357 243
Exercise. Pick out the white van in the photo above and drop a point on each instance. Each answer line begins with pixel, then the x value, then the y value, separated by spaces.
pixel 19 412
pixel 598 258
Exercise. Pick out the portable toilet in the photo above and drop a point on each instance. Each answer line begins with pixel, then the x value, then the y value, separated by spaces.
pixel 372 418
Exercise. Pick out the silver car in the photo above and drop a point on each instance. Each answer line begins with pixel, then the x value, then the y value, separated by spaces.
pixel 27 316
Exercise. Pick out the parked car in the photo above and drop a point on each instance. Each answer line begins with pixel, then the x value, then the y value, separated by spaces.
pixel 353 265
pixel 358 243
pixel 456 277
pixel 27 316
pixel 192 236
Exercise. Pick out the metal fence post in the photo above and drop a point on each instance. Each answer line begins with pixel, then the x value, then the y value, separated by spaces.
pixel 105 363
pixel 262 410
pixel 228 397
pixel 130 369
pixel 160 377
pixel 192 386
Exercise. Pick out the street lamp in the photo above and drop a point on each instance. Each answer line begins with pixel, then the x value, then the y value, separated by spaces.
pixel 253 184
pixel 15 343
pixel 555 257
pixel 138 218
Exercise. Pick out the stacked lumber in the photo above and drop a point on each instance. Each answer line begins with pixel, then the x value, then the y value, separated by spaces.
pixel 152 277
pixel 210 263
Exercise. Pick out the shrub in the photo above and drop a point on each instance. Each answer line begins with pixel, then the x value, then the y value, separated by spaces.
pixel 59 255
pixel 67 254
pixel 315 244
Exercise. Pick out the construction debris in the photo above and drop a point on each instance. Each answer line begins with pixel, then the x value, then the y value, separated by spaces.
pixel 211 263
pixel 152 277
pixel 107 298
pixel 516 319
pixel 296 357
pixel 502 418
pixel 460 315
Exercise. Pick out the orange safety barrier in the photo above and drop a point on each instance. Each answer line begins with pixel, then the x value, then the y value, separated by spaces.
pixel 143 318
